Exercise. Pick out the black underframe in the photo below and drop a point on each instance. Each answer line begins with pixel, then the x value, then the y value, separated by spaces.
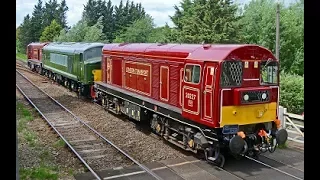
pixel 166 110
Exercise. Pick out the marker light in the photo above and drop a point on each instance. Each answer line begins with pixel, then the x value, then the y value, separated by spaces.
pixel 246 97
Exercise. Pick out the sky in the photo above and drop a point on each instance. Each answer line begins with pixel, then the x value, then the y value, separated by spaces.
pixel 160 10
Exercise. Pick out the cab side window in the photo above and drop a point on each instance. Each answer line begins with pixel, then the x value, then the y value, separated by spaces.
pixel 192 73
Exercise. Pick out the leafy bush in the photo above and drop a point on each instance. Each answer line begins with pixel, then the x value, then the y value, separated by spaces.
pixel 292 92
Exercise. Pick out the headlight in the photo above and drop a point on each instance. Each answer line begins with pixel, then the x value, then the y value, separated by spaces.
pixel 246 97
pixel 264 96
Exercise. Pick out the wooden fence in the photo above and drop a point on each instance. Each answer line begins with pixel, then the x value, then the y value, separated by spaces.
pixel 293 123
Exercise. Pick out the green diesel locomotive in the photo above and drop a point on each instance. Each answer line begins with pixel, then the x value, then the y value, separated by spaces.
pixel 72 64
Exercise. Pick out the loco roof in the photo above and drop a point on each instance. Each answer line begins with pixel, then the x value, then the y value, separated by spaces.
pixel 38 44
pixel 71 47
pixel 209 52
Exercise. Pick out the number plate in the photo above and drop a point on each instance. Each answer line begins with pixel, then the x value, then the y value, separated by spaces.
pixel 230 129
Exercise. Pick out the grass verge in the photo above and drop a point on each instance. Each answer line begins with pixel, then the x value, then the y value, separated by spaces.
pixel 22 57
pixel 37 156
pixel 41 172
pixel 26 135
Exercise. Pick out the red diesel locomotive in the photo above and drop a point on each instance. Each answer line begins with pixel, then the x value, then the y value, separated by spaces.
pixel 209 98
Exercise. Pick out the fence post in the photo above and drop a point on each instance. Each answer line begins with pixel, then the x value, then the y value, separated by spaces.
pixel 284 117
pixel 281 116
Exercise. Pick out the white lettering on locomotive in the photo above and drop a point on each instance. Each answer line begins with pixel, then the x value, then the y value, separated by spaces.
pixel 140 72
pixel 190 96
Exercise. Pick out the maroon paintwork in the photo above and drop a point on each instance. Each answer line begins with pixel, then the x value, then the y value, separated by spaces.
pixel 197 102
pixel 34 51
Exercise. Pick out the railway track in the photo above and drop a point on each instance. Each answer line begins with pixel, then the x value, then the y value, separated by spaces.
pixel 239 169
pixel 262 168
pixel 94 151
pixel 283 171
pixel 283 168
pixel 23 66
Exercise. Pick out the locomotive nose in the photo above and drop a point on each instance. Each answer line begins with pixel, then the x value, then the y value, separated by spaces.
pixel 281 136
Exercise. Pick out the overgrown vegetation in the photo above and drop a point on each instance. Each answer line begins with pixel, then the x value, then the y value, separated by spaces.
pixel 292 92
pixel 195 21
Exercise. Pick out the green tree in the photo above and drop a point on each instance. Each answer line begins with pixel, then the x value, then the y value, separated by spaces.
pixel 118 19
pixel 95 32
pixel 81 32
pixel 92 11
pixel 211 21
pixel 18 32
pixel 138 32
pixel 258 27
pixel 160 35
pixel 50 12
pixel 62 37
pixel 75 34
pixel 25 34
pixel 62 14
pixel 124 16
pixel 50 32
pixel 292 38
pixel 184 10
pixel 37 21
pixel 108 22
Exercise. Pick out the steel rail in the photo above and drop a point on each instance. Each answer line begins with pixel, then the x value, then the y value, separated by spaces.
pixel 267 165
pixel 74 151
pixel 97 133
pixel 290 166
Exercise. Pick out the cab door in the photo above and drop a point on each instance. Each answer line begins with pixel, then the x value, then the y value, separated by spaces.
pixel 81 65
pixel 191 90
pixel 208 91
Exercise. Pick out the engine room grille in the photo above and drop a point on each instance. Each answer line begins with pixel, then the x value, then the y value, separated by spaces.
pixel 231 74
pixel 255 96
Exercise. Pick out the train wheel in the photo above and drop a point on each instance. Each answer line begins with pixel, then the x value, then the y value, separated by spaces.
pixel 214 156
pixel 220 161
pixel 40 70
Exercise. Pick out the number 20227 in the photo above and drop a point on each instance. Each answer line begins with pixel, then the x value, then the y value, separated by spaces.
pixel 190 96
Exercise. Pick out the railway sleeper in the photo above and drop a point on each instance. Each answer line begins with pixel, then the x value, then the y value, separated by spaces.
pixel 83 140
pixel 93 152
pixel 85 143
pixel 95 157
pixel 73 138
pixel 91 145
pixel 75 133
pixel 59 124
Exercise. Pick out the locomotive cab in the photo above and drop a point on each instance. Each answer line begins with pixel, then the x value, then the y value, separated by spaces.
pixel 238 97
pixel 249 106
pixel 34 56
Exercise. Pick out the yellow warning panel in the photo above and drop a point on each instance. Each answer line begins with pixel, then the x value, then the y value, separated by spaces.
pixel 96 74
